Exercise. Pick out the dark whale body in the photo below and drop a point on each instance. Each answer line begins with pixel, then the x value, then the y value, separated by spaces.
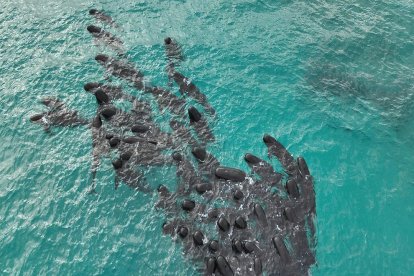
pixel 113 92
pixel 106 37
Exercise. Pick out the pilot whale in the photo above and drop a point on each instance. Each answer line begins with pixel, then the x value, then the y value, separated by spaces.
pixel 122 70
pixel 187 87
pixel 106 37
pixel 101 16
pixel 57 115
pixel 99 147
pixel 200 125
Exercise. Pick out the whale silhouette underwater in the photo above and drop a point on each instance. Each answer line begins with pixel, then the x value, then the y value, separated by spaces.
pixel 267 220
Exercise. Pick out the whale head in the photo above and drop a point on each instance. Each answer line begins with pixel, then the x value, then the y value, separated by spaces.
pixel 36 117
pixel 177 156
pixel 101 58
pixel 91 85
pixel 200 154
pixel 269 139
pixel 101 97
pixel 194 114
pixel 251 159
pixel 108 112
pixel 94 29
pixel 167 40
pixel 117 164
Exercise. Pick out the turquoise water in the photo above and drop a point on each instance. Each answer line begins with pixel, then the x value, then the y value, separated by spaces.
pixel 332 81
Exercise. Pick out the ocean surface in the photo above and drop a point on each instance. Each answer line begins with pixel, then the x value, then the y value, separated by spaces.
pixel 332 80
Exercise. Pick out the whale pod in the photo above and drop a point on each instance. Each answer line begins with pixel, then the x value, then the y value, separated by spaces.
pixel 235 207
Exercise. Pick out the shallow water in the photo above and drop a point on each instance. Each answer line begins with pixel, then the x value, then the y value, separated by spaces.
pixel 332 81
